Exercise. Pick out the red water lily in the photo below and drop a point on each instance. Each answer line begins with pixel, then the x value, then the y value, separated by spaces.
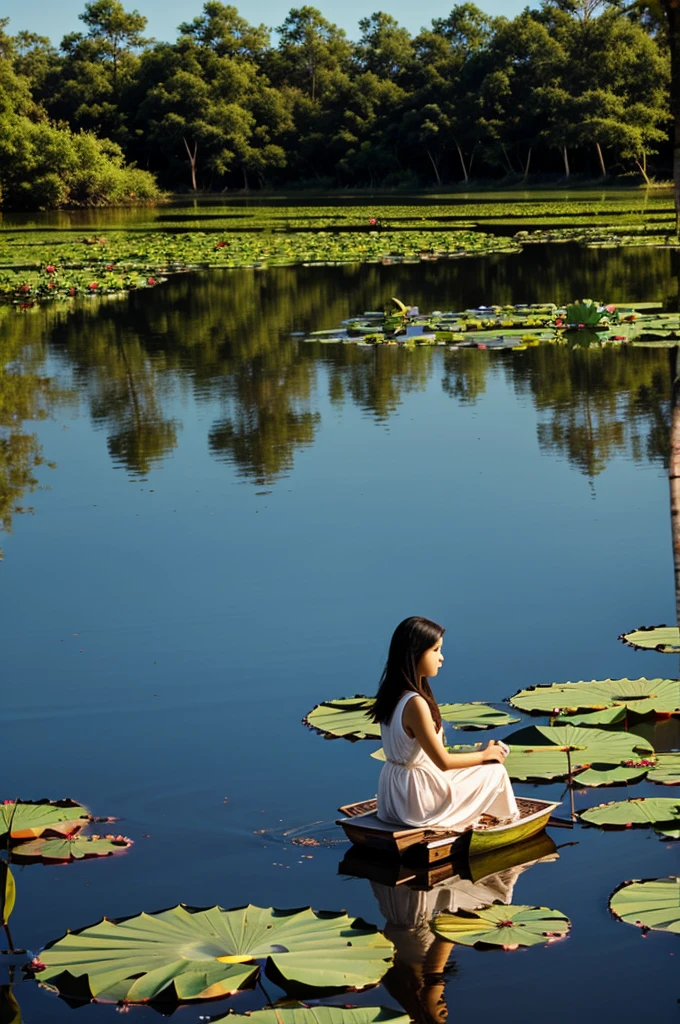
pixel 50 269
pixel 151 280
pixel 71 290
pixel 93 286
pixel 220 245
pixel 25 288
pixel 109 266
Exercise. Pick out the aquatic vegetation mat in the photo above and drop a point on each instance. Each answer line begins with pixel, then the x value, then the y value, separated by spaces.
pixel 550 752
pixel 640 696
pixel 664 639
pixel 187 953
pixel 500 925
pixel 349 717
pixel 652 904
pixel 638 811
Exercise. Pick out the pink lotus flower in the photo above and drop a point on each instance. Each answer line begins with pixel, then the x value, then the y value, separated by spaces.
pixel 151 280
pixel 50 269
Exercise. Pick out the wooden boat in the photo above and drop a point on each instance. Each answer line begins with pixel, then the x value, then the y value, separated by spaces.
pixel 427 845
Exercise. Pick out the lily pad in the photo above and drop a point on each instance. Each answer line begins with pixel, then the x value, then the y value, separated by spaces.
pixel 640 696
pixel 650 904
pixel 8 892
pixel 186 953
pixel 349 717
pixel 319 1015
pixel 665 639
pixel 29 819
pixel 666 771
pixel 70 848
pixel 618 776
pixel 610 716
pixel 540 751
pixel 640 811
pixel 500 925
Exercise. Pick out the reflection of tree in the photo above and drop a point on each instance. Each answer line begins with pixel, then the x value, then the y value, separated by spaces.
pixel 24 395
pixel 465 374
pixel 597 402
pixel 125 384
pixel 377 380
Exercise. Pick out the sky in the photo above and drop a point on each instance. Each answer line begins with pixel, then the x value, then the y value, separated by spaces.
pixel 56 19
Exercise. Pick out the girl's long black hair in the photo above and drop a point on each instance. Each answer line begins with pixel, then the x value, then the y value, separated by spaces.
pixel 410 640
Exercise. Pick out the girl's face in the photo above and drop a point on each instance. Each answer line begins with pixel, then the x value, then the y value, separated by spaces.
pixel 431 661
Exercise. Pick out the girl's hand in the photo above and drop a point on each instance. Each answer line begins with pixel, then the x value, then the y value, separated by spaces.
pixel 495 750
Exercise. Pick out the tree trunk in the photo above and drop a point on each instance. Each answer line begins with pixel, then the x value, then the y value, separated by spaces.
pixel 526 166
pixel 674 472
pixel 435 168
pixel 466 176
pixel 672 12
pixel 507 159
pixel 642 167
pixel 245 179
pixel 598 147
pixel 565 157
pixel 192 162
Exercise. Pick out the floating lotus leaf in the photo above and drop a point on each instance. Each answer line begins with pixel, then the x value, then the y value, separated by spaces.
pixel 540 751
pixel 186 953
pixel 319 1015
pixel 28 819
pixel 475 715
pixel 666 771
pixel 456 748
pixel 665 639
pixel 639 811
pixel 641 696
pixel 349 717
pixel 652 904
pixel 610 716
pixel 609 776
pixel 500 925
pixel 668 833
pixel 70 848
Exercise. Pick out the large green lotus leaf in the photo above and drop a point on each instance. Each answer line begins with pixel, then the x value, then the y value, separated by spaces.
pixel 188 953
pixel 639 811
pixel 456 748
pixel 70 848
pixel 666 771
pixel 500 925
pixel 665 639
pixel 653 904
pixel 610 716
pixel 531 756
pixel 31 819
pixel 319 1015
pixel 616 776
pixel 668 833
pixel 349 717
pixel 475 715
pixel 641 696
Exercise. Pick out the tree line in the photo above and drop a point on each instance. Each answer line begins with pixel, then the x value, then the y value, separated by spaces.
pixel 573 86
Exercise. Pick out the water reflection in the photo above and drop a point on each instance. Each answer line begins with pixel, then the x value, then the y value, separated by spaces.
pixel 410 899
pixel 224 340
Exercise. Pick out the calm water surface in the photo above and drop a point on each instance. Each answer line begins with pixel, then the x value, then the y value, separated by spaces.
pixel 235 523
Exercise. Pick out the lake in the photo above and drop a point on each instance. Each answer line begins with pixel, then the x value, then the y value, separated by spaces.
pixel 232 526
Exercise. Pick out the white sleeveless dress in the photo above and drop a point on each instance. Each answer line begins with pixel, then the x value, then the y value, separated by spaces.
pixel 412 790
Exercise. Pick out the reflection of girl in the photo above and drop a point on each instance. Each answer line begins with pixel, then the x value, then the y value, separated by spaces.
pixel 421 783
pixel 419 973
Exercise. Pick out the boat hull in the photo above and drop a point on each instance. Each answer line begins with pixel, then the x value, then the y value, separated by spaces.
pixel 430 846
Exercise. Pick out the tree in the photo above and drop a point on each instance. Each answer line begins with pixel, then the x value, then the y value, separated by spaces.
pixel 116 31
pixel 311 51
pixel 221 29
pixel 385 48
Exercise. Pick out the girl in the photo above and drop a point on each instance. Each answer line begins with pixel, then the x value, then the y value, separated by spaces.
pixel 421 783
